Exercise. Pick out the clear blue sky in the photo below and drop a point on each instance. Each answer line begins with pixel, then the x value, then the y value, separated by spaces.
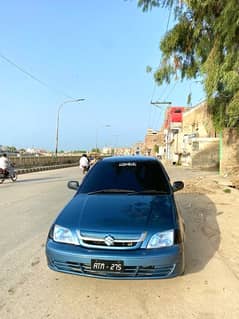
pixel 96 50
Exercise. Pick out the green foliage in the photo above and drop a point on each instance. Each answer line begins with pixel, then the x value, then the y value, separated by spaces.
pixel 11 149
pixel 227 190
pixel 156 148
pixel 149 4
pixel 204 41
pixel 148 69
pixel 233 111
pixel 95 150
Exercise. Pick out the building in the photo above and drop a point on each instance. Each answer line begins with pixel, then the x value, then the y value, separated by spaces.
pixel 154 140
pixel 187 137
pixel 198 140
pixel 122 151
pixel 138 148
pixel 172 126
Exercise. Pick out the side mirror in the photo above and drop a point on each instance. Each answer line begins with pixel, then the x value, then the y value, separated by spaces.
pixel 178 185
pixel 73 185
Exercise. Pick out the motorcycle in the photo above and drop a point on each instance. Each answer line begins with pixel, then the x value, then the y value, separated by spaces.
pixel 10 174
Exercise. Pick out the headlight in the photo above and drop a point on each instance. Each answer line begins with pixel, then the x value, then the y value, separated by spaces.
pixel 163 239
pixel 63 235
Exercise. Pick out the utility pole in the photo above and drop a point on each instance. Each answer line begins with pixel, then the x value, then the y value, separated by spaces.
pixel 159 104
pixel 97 134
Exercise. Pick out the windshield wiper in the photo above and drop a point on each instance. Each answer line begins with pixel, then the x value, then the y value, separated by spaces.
pixel 149 191
pixel 112 190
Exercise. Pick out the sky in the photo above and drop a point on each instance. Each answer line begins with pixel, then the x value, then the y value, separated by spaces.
pixel 53 51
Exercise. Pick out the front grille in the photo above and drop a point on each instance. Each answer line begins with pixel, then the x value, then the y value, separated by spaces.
pixel 108 241
pixel 116 244
pixel 129 271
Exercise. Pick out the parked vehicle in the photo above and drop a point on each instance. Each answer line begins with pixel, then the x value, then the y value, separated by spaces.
pixel 122 223
pixel 11 174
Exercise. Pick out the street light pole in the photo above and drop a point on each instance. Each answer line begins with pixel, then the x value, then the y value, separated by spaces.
pixel 159 105
pixel 58 119
pixel 96 135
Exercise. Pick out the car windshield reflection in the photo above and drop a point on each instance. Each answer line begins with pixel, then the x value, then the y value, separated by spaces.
pixel 128 177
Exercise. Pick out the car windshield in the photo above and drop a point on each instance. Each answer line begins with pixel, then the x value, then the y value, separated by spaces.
pixel 147 177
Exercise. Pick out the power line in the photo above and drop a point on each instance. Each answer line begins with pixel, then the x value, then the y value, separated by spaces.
pixel 166 104
pixel 33 77
pixel 154 86
pixel 172 89
pixel 157 119
pixel 150 112
pixel 161 105
pixel 169 16
pixel 153 90
pixel 164 92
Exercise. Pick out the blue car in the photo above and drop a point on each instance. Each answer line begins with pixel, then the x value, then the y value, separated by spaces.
pixel 122 223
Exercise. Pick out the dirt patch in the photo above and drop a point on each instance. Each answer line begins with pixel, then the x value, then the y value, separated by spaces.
pixel 211 212
pixel 201 185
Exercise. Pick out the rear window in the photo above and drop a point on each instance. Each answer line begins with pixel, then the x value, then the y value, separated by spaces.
pixel 135 176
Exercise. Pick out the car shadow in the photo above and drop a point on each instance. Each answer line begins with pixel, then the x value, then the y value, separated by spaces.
pixel 202 230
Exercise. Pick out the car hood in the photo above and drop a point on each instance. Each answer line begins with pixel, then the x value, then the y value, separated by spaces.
pixel 116 212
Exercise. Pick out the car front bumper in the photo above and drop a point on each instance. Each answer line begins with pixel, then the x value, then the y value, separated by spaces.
pixel 138 264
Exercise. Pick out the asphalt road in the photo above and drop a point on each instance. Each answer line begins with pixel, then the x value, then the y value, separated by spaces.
pixel 28 289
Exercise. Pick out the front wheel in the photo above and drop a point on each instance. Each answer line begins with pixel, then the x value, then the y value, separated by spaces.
pixel 14 177
pixel 2 180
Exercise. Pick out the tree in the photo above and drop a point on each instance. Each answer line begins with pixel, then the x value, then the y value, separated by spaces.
pixel 204 41
pixel 95 150
pixel 156 148
pixel 11 149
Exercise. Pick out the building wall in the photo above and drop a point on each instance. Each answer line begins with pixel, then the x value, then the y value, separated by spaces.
pixel 230 151
pixel 153 138
pixel 173 115
pixel 203 143
pixel 198 121
pixel 197 144
pixel 138 149
pixel 205 153
pixel 197 140
pixel 118 151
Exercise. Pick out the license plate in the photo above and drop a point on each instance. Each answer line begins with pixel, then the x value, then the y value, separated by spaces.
pixel 107 265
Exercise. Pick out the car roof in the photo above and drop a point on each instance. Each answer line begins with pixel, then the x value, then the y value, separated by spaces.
pixel 132 158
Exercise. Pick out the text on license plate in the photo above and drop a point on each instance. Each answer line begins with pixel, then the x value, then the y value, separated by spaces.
pixel 107 265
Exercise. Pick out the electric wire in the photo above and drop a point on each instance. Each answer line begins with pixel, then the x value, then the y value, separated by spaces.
pixel 150 111
pixel 172 89
pixel 163 109
pixel 157 117
pixel 160 109
pixel 169 16
pixel 33 77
